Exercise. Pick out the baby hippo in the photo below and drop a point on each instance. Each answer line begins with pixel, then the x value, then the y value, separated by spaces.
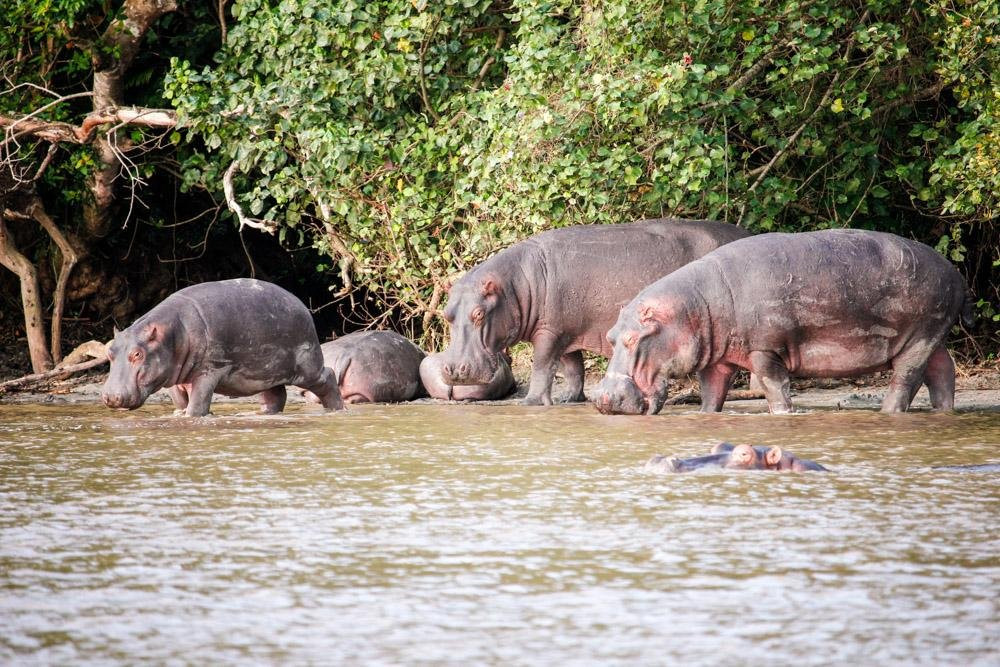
pixel 736 457
pixel 374 367
pixel 499 387
pixel 233 337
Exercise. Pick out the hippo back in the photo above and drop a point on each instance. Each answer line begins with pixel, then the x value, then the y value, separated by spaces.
pixel 375 366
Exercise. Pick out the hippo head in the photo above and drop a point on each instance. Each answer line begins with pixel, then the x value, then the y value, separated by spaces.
pixel 141 362
pixel 484 321
pixel 650 344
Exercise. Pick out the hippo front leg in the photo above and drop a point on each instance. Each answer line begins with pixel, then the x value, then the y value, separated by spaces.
pixel 543 368
pixel 199 395
pixel 572 370
pixel 773 375
pixel 714 382
pixel 179 397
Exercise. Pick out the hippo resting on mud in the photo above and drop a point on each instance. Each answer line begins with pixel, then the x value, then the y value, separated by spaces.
pixel 499 387
pixel 562 290
pixel 735 457
pixel 834 303
pixel 234 337
pixel 374 367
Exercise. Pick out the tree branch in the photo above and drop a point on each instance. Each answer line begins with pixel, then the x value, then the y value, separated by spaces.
pixel 234 206
pixel 60 132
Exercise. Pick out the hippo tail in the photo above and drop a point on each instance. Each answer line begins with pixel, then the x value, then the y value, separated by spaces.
pixel 968 312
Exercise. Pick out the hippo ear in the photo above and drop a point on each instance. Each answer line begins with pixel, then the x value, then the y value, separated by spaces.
pixel 744 455
pixel 773 456
pixel 490 287
pixel 115 331
pixel 153 333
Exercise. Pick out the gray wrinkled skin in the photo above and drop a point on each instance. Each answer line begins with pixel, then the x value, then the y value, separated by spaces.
pixel 500 386
pixel 561 290
pixel 374 367
pixel 735 457
pixel 834 303
pixel 233 337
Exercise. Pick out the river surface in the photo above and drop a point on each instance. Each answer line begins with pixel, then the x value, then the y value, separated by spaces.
pixel 462 534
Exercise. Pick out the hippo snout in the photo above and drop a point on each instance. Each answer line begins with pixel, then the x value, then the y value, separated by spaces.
pixel 619 396
pixel 469 372
pixel 120 400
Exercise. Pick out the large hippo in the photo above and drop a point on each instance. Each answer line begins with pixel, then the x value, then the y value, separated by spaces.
pixel 833 303
pixel 735 457
pixel 374 367
pixel 500 386
pixel 234 337
pixel 562 290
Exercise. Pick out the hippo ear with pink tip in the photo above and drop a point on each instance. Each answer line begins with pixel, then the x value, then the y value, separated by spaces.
pixel 773 457
pixel 744 455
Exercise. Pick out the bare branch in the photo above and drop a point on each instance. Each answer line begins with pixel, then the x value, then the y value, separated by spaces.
pixel 57 132
pixel 234 206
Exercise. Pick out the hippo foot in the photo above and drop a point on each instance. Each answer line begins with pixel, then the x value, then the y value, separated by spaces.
pixel 535 400
pixel 573 398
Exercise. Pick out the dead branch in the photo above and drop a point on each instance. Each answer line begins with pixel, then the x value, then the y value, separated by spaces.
pixel 234 206
pixel 64 372
pixel 69 259
pixel 60 132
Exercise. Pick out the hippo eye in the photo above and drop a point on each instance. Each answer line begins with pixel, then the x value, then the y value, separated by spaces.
pixel 630 340
pixel 477 316
pixel 135 356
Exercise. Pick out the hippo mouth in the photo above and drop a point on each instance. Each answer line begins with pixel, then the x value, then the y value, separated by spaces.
pixel 478 372
pixel 619 395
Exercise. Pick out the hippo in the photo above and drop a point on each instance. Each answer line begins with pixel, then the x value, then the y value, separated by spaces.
pixel 737 457
pixel 832 303
pixel 234 337
pixel 374 367
pixel 499 387
pixel 561 290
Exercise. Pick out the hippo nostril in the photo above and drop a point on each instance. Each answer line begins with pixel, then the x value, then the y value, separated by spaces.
pixel 463 370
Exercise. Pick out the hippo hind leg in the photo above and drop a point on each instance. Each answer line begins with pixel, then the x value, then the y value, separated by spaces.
pixel 907 375
pixel 179 396
pixel 327 390
pixel 939 376
pixel 272 401
pixel 774 377
pixel 572 370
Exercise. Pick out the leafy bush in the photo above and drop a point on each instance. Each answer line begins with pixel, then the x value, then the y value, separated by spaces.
pixel 410 139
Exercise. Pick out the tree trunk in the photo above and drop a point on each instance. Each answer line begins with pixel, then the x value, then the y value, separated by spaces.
pixel 34 323
pixel 69 259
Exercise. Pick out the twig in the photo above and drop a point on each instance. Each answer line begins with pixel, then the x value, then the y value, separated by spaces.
pixel 420 73
pixel 489 62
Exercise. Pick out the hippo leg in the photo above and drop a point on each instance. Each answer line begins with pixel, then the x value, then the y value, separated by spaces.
pixel 179 397
pixel 774 376
pixel 199 395
pixel 572 370
pixel 272 401
pixel 939 377
pixel 715 381
pixel 543 367
pixel 326 390
pixel 907 376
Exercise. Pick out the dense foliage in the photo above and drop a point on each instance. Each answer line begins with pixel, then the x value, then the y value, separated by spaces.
pixel 416 138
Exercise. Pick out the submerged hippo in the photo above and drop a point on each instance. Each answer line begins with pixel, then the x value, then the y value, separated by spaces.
pixel 374 367
pixel 834 303
pixel 562 290
pixel 738 457
pixel 499 387
pixel 234 337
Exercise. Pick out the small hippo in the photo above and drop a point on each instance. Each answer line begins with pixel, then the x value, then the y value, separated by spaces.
pixel 234 337
pixel 737 457
pixel 562 290
pixel 499 387
pixel 374 367
pixel 833 303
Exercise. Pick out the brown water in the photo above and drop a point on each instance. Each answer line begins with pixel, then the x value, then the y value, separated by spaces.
pixel 449 534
